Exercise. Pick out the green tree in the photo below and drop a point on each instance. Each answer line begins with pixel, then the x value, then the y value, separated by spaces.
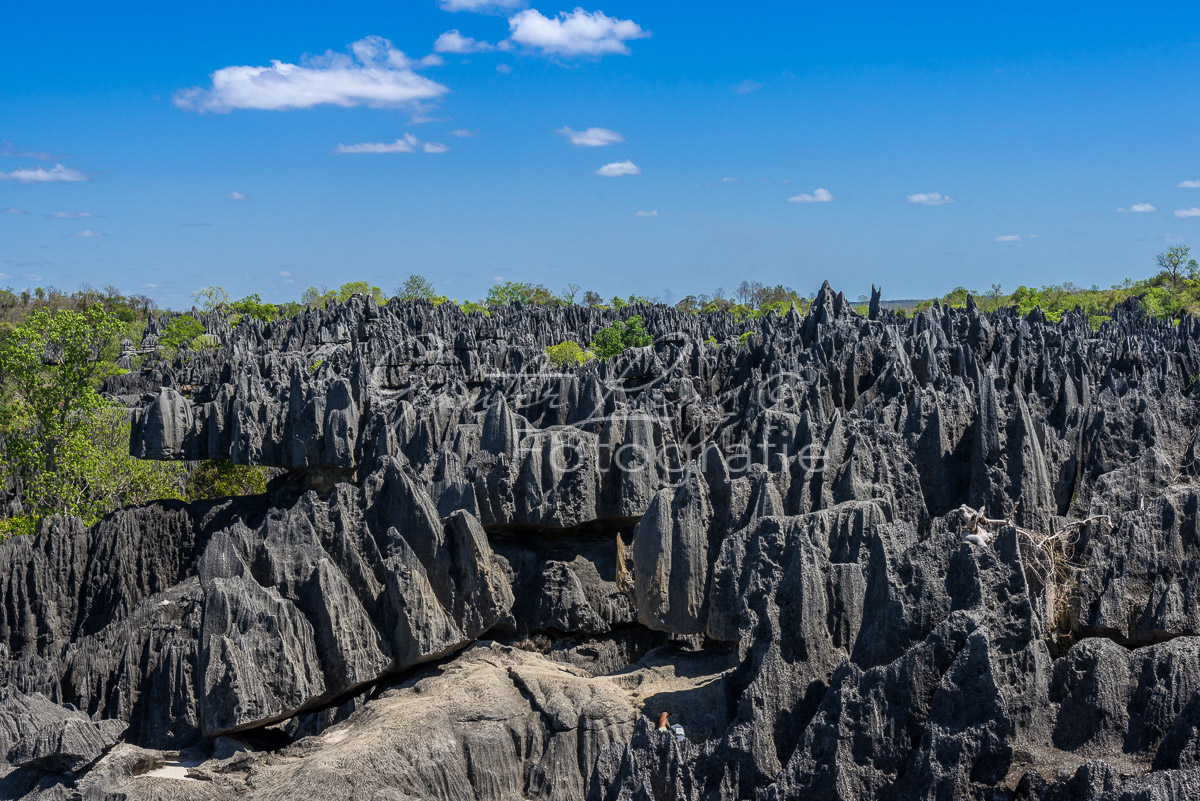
pixel 212 299
pixel 53 364
pixel 620 336
pixel 349 290
pixel 67 445
pixel 319 297
pixel 519 292
pixel 417 287
pixel 179 331
pixel 316 297
pixel 253 306
pixel 1176 264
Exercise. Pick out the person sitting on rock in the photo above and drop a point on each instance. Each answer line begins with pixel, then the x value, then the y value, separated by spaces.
pixel 677 730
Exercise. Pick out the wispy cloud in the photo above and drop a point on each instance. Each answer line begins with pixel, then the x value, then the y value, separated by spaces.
pixel 747 86
pixel 818 196
pixel 1189 184
pixel 578 33
pixel 435 147
pixel 503 69
pixel 619 168
pixel 407 144
pixel 462 133
pixel 7 148
pixel 237 196
pixel 482 6
pixel 285 273
pixel 376 75
pixel 931 199
pixel 592 137
pixel 86 234
pixel 1184 213
pixel 1015 237
pixel 646 213
pixel 71 215
pixel 40 175
pixel 453 41
pixel 150 286
pixel 14 210
pixel 1137 208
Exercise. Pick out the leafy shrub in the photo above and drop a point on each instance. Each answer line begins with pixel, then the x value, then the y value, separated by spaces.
pixel 225 480
pixel 253 306
pixel 319 297
pixel 744 338
pixel 619 337
pixel 205 342
pixel 17 526
pixel 182 329
pixel 519 292
pixel 568 354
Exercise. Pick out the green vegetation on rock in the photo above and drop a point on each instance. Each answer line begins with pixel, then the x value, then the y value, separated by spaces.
pixel 568 354
pixel 619 337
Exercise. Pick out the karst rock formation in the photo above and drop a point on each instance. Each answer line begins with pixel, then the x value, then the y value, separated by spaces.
pixel 855 556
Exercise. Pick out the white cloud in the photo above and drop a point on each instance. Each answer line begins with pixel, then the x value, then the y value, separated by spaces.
pixel 435 147
pixel 377 75
pixel 1184 213
pixel 619 168
pixel 592 137
pixel 285 273
pixel 14 210
pixel 747 86
pixel 40 175
pixel 1137 208
pixel 482 6
pixel 930 199
pixel 405 145
pixel 453 41
pixel 818 196
pixel 1015 237
pixel 86 234
pixel 729 180
pixel 462 133
pixel 71 215
pixel 1189 184
pixel 7 148
pixel 646 214
pixel 237 196
pixel 503 69
pixel 150 286
pixel 577 33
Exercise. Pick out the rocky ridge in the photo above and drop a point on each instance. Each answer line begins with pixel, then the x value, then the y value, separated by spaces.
pixel 482 577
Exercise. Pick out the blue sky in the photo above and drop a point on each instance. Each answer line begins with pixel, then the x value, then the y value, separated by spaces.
pixel 916 146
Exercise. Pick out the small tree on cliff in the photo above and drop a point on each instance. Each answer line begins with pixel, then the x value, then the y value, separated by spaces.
pixel 66 447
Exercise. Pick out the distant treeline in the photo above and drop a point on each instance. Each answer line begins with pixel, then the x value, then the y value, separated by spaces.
pixel 1171 292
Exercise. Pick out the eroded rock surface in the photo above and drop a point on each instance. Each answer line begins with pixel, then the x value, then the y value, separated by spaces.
pixel 480 577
